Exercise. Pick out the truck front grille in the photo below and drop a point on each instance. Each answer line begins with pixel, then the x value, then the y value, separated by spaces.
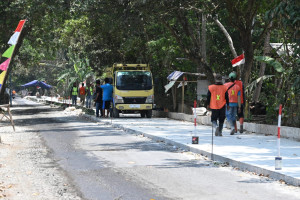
pixel 134 100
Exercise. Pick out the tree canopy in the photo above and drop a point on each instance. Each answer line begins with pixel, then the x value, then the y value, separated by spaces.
pixel 205 35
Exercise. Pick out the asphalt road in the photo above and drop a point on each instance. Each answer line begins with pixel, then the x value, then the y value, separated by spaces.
pixel 106 163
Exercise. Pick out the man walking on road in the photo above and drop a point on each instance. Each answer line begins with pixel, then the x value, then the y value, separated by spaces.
pixel 241 113
pixel 98 99
pixel 107 96
pixel 217 98
pixel 82 94
pixel 74 93
pixel 89 93
pixel 234 93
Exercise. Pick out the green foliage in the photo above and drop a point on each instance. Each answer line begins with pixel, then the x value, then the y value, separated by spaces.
pixel 254 83
pixel 79 73
pixel 270 61
pixel 88 111
pixel 67 41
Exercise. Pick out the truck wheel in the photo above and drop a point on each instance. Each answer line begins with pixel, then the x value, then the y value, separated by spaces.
pixel 116 113
pixel 143 114
pixel 149 113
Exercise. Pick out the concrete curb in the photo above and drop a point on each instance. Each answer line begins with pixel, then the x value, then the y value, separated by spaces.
pixel 264 129
pixel 205 121
pixel 237 164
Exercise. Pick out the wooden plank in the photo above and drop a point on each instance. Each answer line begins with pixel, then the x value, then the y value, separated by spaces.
pixel 9 117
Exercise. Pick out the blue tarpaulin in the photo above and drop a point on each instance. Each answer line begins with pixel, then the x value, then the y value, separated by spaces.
pixel 37 83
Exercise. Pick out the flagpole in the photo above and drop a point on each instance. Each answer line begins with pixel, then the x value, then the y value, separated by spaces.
pixel 10 92
pixel 12 55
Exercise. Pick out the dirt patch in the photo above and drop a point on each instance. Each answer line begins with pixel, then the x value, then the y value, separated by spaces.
pixel 27 170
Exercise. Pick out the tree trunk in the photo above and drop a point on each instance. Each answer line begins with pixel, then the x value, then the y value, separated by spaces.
pixel 199 67
pixel 230 42
pixel 203 38
pixel 267 50
pixel 206 68
pixel 249 55
pixel 228 37
pixel 192 53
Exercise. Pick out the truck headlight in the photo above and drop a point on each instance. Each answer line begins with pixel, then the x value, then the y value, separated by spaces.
pixel 118 99
pixel 150 99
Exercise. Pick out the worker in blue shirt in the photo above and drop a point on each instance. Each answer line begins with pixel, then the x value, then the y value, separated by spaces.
pixel 107 96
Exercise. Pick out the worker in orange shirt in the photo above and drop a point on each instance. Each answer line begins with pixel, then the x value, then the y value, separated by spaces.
pixel 234 94
pixel 13 94
pixel 243 101
pixel 82 94
pixel 217 98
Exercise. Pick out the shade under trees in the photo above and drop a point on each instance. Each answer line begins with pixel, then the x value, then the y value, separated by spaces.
pixel 190 35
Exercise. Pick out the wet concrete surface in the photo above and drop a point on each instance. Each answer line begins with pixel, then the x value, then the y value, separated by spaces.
pixel 95 178
pixel 106 163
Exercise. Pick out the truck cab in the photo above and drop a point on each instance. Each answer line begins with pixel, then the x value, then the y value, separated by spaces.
pixel 133 89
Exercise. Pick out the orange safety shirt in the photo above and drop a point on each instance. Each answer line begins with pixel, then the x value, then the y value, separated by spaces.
pixel 233 92
pixel 217 99
pixel 240 84
pixel 82 91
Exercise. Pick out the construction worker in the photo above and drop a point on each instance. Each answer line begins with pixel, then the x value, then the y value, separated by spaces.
pixel 74 93
pixel 107 96
pixel 217 98
pixel 98 99
pixel 243 101
pixel 89 94
pixel 82 94
pixel 13 94
pixel 234 94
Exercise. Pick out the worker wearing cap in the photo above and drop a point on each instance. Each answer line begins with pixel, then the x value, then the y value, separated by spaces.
pixel 217 98
pixel 234 94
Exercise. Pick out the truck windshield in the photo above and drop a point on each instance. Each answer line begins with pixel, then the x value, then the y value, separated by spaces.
pixel 134 80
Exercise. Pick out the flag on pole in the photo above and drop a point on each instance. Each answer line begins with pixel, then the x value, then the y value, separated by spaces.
pixel 169 85
pixel 4 65
pixel 180 84
pixel 14 38
pixel 2 76
pixel 8 53
pixel 238 60
pixel 174 75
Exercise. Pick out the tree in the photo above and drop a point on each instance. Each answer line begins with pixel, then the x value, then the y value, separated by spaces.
pixel 79 73
pixel 243 16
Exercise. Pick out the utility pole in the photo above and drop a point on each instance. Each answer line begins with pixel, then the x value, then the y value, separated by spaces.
pixel 10 91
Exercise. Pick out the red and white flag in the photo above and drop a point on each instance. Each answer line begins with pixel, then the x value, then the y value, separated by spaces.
pixel 238 60
pixel 14 38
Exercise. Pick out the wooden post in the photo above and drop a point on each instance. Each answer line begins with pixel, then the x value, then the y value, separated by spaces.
pixel 182 99
pixel 9 117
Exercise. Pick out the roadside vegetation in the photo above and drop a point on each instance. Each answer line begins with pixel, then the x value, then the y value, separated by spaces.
pixel 67 41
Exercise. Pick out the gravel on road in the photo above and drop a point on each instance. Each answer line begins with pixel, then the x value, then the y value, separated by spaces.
pixel 27 171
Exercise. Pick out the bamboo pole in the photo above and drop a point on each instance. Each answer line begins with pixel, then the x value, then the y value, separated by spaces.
pixel 182 99
pixel 12 55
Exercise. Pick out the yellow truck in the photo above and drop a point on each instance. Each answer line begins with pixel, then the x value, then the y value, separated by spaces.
pixel 133 89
